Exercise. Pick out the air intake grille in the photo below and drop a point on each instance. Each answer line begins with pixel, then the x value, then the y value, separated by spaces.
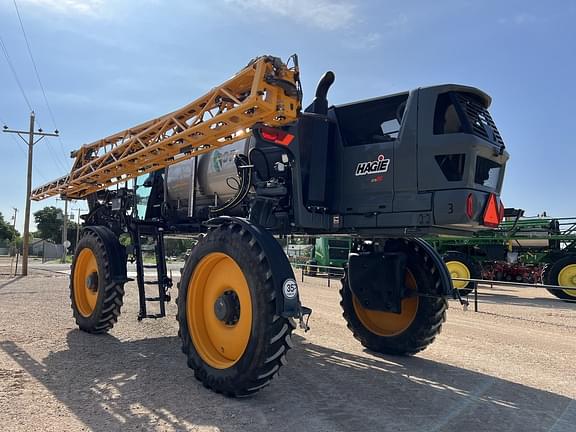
pixel 480 119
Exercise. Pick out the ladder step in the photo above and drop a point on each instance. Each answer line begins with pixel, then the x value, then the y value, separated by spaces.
pixel 151 240
pixel 153 316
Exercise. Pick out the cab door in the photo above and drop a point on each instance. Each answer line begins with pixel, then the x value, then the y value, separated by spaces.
pixel 369 131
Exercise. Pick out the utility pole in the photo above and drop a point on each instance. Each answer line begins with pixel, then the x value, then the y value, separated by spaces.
pixel 30 143
pixel 77 224
pixel 14 217
pixel 65 230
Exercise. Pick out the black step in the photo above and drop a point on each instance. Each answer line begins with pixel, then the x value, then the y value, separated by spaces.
pixel 151 266
pixel 153 316
pixel 150 282
pixel 152 299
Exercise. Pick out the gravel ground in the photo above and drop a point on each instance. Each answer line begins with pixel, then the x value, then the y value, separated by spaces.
pixel 509 367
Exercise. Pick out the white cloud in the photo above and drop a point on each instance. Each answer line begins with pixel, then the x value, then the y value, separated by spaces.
pixel 521 18
pixel 365 41
pixel 400 21
pixel 324 14
pixel 83 7
pixel 524 18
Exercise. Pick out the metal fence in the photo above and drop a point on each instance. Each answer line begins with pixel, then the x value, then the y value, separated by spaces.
pixel 336 273
pixel 489 283
pixel 9 265
pixel 319 271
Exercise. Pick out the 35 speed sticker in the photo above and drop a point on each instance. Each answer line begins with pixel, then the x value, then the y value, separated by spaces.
pixel 290 288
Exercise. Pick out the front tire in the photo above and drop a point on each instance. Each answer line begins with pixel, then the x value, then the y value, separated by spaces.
pixel 97 280
pixel 417 325
pixel 562 273
pixel 230 331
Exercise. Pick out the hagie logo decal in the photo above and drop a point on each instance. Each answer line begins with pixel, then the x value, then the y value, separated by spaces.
pixel 373 167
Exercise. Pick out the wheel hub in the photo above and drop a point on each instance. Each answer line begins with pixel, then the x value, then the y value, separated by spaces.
pixel 219 317
pixel 227 308
pixel 458 270
pixel 85 282
pixel 567 276
pixel 92 281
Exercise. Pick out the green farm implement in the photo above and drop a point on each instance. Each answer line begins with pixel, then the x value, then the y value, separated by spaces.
pixel 531 250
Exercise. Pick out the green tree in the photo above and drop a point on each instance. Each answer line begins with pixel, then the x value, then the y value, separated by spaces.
pixel 71 229
pixel 50 221
pixel 177 246
pixel 7 232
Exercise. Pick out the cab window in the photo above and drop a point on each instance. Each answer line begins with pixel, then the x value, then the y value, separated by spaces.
pixel 372 121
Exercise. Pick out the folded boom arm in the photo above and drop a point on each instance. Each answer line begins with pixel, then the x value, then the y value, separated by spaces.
pixel 265 91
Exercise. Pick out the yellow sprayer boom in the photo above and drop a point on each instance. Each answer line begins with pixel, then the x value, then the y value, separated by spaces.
pixel 266 91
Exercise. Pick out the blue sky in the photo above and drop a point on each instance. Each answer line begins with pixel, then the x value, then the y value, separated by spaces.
pixel 109 64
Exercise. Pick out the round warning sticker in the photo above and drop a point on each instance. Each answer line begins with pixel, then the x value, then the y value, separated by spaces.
pixel 290 288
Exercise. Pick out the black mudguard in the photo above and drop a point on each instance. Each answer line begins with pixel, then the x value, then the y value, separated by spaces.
pixel 446 287
pixel 115 251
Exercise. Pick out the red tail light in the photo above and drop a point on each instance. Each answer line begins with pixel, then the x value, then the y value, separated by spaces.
pixel 470 206
pixel 276 136
pixel 493 213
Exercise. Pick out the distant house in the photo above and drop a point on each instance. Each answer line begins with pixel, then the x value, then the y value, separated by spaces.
pixel 46 249
pixel 4 247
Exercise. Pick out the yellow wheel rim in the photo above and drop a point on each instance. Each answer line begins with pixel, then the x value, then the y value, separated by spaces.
pixel 85 282
pixel 458 270
pixel 567 277
pixel 389 323
pixel 220 343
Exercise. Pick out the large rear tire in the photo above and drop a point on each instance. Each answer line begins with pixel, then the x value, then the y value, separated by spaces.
pixel 230 331
pixel 417 325
pixel 462 266
pixel 97 280
pixel 562 273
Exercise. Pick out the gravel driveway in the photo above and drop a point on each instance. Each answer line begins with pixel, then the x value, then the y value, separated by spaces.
pixel 509 367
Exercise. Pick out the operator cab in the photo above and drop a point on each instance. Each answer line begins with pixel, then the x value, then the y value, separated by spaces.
pixel 427 160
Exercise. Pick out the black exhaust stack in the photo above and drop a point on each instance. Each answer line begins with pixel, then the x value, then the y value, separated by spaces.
pixel 320 103
pixel 313 141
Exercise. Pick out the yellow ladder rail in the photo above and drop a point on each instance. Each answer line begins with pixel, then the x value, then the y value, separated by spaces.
pixel 266 91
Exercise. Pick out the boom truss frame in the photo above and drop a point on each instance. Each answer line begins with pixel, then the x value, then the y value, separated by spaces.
pixel 266 91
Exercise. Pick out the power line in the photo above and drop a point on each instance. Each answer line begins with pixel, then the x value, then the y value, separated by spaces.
pixel 5 51
pixel 52 117
pixel 36 170
pixel 32 134
pixel 34 63
pixel 22 148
